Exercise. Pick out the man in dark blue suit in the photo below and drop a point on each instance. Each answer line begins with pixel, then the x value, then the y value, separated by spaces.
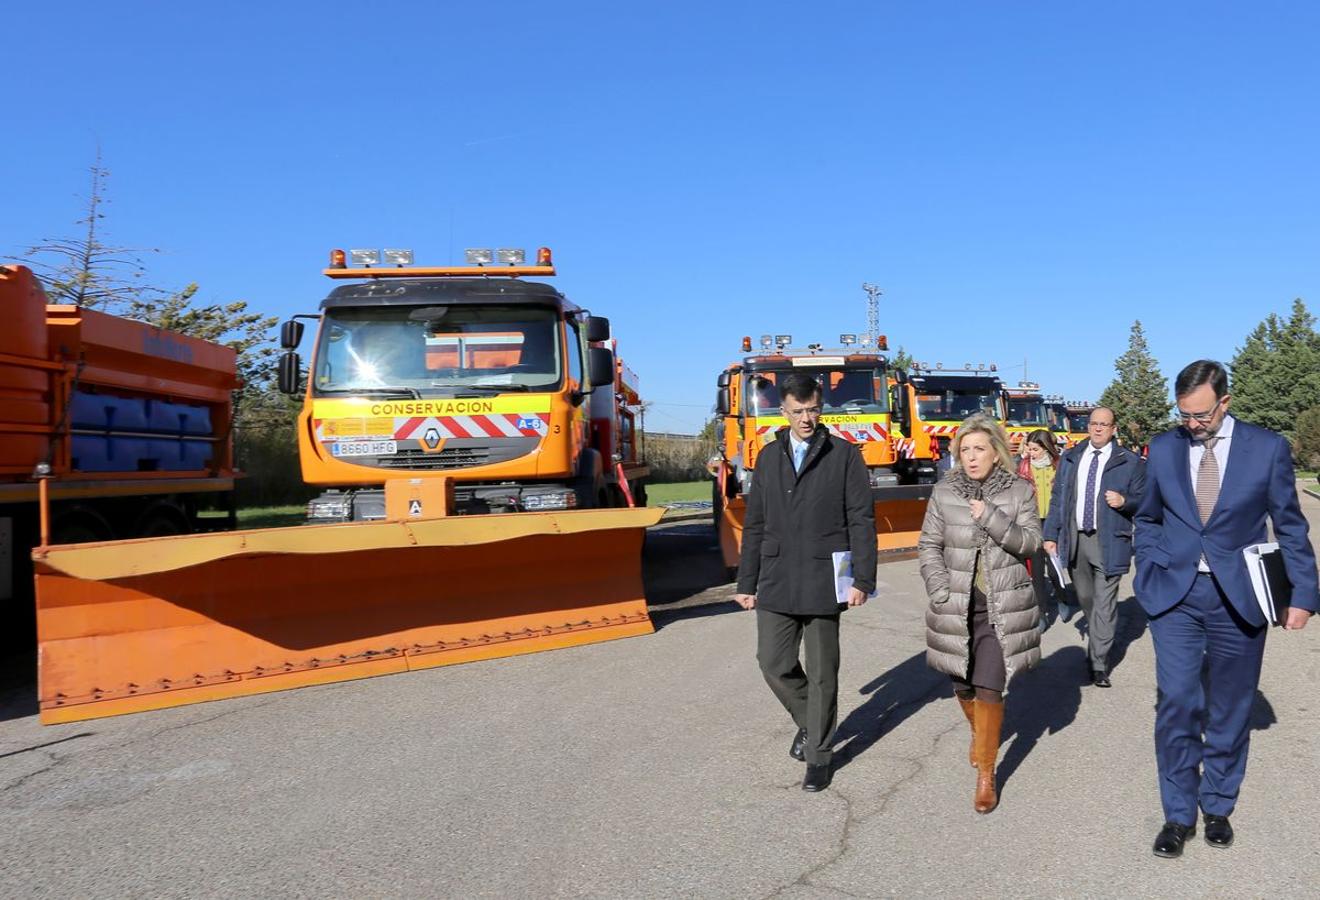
pixel 1209 487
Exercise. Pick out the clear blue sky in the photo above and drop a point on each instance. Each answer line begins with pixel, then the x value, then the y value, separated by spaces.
pixel 1023 180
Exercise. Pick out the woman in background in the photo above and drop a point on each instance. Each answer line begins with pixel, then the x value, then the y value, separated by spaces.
pixel 1040 460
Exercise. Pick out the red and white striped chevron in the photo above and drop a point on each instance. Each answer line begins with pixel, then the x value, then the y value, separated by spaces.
pixel 495 425
pixel 940 429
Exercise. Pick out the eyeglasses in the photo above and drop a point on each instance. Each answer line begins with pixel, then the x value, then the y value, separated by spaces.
pixel 1101 425
pixel 809 412
pixel 1204 418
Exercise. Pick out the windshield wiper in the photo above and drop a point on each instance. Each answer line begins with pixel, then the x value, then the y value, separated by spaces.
pixel 463 386
pixel 501 387
pixel 377 391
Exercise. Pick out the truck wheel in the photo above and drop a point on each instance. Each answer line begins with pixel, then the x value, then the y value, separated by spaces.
pixel 81 526
pixel 162 520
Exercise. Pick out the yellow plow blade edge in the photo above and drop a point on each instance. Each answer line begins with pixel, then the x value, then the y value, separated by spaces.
pixel 126 626
pixel 899 512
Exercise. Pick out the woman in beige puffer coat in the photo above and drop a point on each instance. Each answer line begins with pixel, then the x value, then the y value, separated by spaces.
pixel 981 626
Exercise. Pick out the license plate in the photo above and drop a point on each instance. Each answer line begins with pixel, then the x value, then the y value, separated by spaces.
pixel 364 448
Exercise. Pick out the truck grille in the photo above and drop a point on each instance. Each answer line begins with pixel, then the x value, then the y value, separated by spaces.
pixel 455 457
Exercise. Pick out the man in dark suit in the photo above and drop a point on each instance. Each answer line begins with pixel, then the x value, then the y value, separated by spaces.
pixel 1089 527
pixel 1209 487
pixel 810 497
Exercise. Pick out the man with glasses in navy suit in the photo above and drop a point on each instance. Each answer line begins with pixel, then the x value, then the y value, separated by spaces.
pixel 1210 485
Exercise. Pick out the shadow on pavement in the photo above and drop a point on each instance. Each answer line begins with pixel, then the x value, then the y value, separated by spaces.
pixel 682 565
pixel 1131 628
pixel 18 685
pixel 895 696
pixel 1043 701
pixel 668 616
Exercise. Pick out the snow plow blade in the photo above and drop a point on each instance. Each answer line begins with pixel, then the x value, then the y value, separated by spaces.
pixel 126 626
pixel 899 512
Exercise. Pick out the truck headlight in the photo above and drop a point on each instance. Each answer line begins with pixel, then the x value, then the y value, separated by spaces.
pixel 882 477
pixel 330 508
pixel 549 501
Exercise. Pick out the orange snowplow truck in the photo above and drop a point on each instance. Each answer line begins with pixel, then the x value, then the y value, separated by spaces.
pixel 1028 410
pixel 942 398
pixel 123 426
pixel 501 386
pixel 431 392
pixel 1077 413
pixel 857 405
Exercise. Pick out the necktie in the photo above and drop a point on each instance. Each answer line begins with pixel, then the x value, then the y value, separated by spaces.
pixel 1207 480
pixel 1088 507
pixel 799 454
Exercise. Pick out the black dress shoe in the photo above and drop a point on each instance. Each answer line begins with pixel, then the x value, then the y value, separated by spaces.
pixel 1100 679
pixel 796 750
pixel 1218 833
pixel 1169 842
pixel 817 778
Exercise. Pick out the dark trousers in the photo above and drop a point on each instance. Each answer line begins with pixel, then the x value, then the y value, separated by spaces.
pixel 810 695
pixel 1203 631
pixel 1097 594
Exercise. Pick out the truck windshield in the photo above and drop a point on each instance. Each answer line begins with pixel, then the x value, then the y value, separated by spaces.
pixel 955 405
pixel 1079 421
pixel 438 351
pixel 1058 417
pixel 843 391
pixel 1027 411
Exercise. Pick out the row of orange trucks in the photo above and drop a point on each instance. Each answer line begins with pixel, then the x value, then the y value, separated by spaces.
pixel 477 446
pixel 901 421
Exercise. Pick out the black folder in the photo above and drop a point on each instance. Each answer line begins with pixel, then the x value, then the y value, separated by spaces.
pixel 1278 588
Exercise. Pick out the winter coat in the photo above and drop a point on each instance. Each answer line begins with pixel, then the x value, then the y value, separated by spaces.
pixel 1006 534
pixel 1126 473
pixel 1042 481
pixel 795 521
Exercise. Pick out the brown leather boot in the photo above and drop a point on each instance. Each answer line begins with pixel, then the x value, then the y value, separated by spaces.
pixel 969 710
pixel 989 721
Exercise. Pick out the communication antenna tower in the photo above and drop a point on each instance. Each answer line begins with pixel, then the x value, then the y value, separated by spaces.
pixel 872 312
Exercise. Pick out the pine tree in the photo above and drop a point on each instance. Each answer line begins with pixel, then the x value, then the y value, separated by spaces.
pixel 1276 372
pixel 1139 393
pixel 84 270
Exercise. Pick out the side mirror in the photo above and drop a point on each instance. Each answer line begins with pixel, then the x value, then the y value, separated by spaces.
pixel 722 401
pixel 597 329
pixel 600 367
pixel 723 380
pixel 289 371
pixel 291 334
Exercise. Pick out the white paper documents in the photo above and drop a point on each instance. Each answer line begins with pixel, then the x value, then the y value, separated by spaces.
pixel 843 576
pixel 1060 570
pixel 1269 581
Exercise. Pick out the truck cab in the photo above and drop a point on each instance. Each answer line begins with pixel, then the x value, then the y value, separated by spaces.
pixel 942 398
pixel 469 373
pixel 1027 411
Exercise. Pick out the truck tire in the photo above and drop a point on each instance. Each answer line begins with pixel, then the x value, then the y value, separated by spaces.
pixel 162 520
pixel 80 526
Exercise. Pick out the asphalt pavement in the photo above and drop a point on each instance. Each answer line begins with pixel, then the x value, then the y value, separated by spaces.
pixel 655 767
